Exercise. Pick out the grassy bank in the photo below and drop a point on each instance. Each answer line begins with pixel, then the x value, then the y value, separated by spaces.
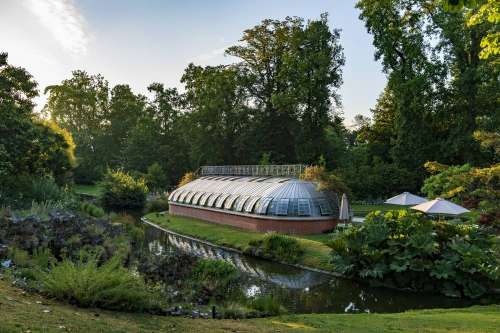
pixel 92 190
pixel 22 312
pixel 316 253
pixel 363 210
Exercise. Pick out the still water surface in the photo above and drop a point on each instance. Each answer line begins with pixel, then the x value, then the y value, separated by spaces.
pixel 300 290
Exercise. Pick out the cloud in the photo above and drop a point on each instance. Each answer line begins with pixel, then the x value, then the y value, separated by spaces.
pixel 215 55
pixel 63 20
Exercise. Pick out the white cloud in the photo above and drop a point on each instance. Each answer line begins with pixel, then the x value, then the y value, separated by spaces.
pixel 215 56
pixel 63 20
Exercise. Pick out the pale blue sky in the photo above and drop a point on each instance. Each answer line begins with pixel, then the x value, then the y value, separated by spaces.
pixel 139 42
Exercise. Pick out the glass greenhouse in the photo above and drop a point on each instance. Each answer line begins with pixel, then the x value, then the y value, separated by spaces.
pixel 265 196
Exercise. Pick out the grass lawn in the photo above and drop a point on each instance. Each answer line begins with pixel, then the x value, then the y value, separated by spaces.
pixel 363 210
pixel 92 190
pixel 24 312
pixel 316 253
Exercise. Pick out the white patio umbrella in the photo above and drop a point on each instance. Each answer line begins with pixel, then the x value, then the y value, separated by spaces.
pixel 405 199
pixel 344 208
pixel 440 206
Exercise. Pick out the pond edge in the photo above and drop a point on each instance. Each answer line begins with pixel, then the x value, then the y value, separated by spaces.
pixel 230 249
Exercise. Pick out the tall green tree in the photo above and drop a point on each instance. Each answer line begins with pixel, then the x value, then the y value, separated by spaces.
pixel 218 118
pixel 290 70
pixel 81 105
pixel 440 85
pixel 125 110
pixel 29 147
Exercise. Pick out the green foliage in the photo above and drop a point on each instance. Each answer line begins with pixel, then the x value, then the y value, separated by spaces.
pixel 134 230
pixel 87 283
pixel 475 188
pixel 216 277
pixel 293 85
pixel 157 205
pixel 156 178
pixel 267 304
pixel 327 181
pixel 278 247
pixel 44 189
pixel 120 190
pixel 29 147
pixel 90 209
pixel 434 100
pixel 407 250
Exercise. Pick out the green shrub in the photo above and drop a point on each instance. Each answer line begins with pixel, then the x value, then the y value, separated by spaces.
pixel 157 205
pixel 267 304
pixel 475 188
pixel 215 277
pixel 45 189
pixel 91 210
pixel 156 178
pixel 276 246
pixel 123 191
pixel 107 286
pixel 133 229
pixel 41 257
pixel 407 250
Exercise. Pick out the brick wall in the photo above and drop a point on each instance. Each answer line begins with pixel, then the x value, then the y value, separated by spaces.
pixel 255 223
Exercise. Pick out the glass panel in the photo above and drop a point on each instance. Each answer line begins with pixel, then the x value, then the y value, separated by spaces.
pixel 203 199
pixel 230 201
pixel 183 196
pixel 171 196
pixel 293 207
pixel 241 203
pixel 220 201
pixel 211 200
pixel 189 197
pixel 196 198
pixel 283 207
pixel 264 203
pixel 250 204
pixel 324 207
pixel 176 195
pixel 304 207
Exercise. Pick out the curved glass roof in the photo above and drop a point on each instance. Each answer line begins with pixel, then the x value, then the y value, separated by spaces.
pixel 272 196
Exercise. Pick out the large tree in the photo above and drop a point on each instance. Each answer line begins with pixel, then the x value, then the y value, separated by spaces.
pixel 218 119
pixel 81 105
pixel 291 70
pixel 29 147
pixel 440 86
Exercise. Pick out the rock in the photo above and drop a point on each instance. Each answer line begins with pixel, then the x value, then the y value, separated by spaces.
pixel 46 311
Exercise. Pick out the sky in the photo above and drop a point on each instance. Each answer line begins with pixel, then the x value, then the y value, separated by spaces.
pixel 140 42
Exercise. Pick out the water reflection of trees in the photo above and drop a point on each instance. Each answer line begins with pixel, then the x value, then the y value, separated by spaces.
pixel 301 291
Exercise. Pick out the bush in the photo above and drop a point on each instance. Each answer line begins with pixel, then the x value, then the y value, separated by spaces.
pixel 474 188
pixel 407 250
pixel 156 177
pixel 215 277
pixel 133 229
pixel 122 191
pixel 157 205
pixel 187 178
pixel 91 210
pixel 277 247
pixel 267 304
pixel 45 189
pixel 88 284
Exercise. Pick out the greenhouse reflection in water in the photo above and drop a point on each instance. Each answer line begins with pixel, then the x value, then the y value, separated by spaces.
pixel 300 290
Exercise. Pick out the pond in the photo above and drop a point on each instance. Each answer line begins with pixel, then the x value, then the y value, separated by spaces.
pixel 300 290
